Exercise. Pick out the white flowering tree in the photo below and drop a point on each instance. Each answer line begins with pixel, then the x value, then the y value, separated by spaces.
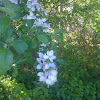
pixel 25 36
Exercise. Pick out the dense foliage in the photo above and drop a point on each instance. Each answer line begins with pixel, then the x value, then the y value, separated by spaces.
pixel 74 36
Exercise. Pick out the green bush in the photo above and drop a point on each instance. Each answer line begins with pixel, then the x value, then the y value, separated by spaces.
pixel 75 39
pixel 11 90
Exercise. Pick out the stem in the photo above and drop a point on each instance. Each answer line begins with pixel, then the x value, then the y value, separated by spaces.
pixel 19 61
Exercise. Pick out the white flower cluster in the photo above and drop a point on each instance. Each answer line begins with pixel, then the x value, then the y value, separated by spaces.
pixel 41 22
pixel 14 1
pixel 33 5
pixel 47 65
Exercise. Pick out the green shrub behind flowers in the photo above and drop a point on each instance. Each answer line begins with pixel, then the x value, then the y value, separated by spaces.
pixel 78 69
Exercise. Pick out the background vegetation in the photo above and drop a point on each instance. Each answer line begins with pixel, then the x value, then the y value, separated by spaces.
pixel 76 29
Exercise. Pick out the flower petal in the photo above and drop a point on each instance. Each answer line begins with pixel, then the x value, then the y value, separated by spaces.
pixel 45 56
pixel 38 60
pixel 42 79
pixel 47 66
pixel 53 57
pixel 49 82
pixel 39 66
pixel 40 54
pixel 52 65
pixel 54 72
pixel 53 78
pixel 40 74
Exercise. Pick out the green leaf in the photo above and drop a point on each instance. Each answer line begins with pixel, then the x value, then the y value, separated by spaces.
pixel 20 46
pixel 39 30
pixel 10 32
pixel 54 48
pixel 33 44
pixel 4 23
pixel 6 60
pixel 16 8
pixel 30 23
pixel 61 61
pixel 42 38
pixel 1 96
pixel 10 5
pixel 8 11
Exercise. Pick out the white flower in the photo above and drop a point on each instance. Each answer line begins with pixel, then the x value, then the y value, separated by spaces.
pixel 33 8
pixel 45 12
pixel 43 45
pixel 53 72
pixel 46 25
pixel 45 60
pixel 45 30
pixel 42 78
pixel 40 74
pixel 39 22
pixel 52 65
pixel 30 16
pixel 45 56
pixel 40 54
pixel 34 2
pixel 49 82
pixel 47 66
pixel 46 73
pixel 38 7
pixel 29 5
pixel 49 74
pixel 39 60
pixel 52 58
pixel 44 19
pixel 42 9
pixel 26 25
pixel 52 78
pixel 33 5
pixel 49 55
pixel 39 66
pixel 43 68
